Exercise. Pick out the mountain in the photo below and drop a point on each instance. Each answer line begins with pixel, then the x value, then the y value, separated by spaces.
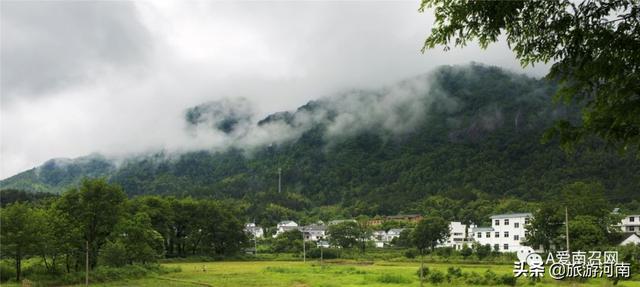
pixel 472 128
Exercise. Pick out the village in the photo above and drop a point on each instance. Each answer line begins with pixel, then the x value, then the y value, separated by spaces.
pixel 507 232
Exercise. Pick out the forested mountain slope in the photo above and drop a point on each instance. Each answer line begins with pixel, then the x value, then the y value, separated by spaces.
pixel 469 128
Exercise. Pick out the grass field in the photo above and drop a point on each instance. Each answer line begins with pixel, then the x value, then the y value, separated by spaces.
pixel 337 273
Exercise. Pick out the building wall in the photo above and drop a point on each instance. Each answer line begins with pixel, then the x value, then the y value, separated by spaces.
pixel 507 235
pixel 631 223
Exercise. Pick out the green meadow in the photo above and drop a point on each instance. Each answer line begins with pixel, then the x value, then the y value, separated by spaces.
pixel 335 273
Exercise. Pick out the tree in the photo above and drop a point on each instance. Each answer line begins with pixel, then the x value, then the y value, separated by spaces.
pixel 466 251
pixel 288 241
pixel 585 233
pixel 594 45
pixel 95 207
pixel 20 233
pixel 546 227
pixel 430 231
pixel 482 250
pixel 344 234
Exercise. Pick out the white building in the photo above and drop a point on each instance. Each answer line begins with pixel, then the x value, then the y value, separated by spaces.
pixel 630 238
pixel 285 226
pixel 631 223
pixel 458 235
pixel 506 234
pixel 314 232
pixel 394 233
pixel 254 230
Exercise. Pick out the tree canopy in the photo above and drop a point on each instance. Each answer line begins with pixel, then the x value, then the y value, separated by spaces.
pixel 594 47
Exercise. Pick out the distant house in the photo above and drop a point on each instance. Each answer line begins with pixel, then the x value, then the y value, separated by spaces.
pixel 314 232
pixel 394 233
pixel 254 230
pixel 506 234
pixel 284 226
pixel 631 223
pixel 630 238
pixel 411 218
pixel 323 244
pixel 459 235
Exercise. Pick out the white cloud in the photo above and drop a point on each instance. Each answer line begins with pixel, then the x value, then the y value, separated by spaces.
pixel 118 79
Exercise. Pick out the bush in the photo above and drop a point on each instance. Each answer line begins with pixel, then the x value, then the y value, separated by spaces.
pixel 508 279
pixel 425 272
pixel 7 271
pixel 454 272
pixel 435 277
pixel 393 279
pixel 327 253
pixel 113 254
pixel 410 253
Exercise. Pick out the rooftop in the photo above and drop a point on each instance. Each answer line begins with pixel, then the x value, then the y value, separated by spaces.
pixel 511 215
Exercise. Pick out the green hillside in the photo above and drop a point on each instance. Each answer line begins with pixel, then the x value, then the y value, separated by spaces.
pixel 479 135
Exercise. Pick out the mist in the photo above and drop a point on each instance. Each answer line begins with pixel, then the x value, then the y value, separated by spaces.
pixel 118 78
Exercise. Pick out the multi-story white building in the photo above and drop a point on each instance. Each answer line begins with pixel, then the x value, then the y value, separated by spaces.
pixel 314 232
pixel 285 226
pixel 254 230
pixel 458 236
pixel 506 234
pixel 631 223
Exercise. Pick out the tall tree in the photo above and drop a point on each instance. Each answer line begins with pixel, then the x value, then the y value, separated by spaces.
pixel 594 46
pixel 430 231
pixel 96 207
pixel 20 233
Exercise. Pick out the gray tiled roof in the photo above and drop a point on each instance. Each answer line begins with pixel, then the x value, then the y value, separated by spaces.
pixel 482 229
pixel 511 215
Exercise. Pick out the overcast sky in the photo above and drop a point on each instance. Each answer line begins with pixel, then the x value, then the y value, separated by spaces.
pixel 116 77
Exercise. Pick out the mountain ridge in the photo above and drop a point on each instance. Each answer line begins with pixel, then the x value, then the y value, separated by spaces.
pixel 472 127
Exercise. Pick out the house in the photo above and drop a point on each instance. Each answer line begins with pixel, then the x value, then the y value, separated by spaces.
pixel 322 244
pixel 314 232
pixel 458 235
pixel 393 233
pixel 253 229
pixel 630 238
pixel 284 226
pixel 631 223
pixel 506 234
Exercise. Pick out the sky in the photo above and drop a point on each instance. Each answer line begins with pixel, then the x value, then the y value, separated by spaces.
pixel 116 77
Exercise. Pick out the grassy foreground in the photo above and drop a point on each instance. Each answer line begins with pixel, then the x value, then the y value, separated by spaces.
pixel 336 273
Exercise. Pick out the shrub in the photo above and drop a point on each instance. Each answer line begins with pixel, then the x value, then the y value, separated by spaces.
pixel 7 271
pixel 327 253
pixel 410 253
pixel 454 272
pixel 393 279
pixel 113 254
pixel 508 279
pixel 435 277
pixel 425 272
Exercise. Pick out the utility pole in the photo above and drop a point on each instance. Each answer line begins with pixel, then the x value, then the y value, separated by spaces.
pixel 304 248
pixel 255 243
pixel 279 180
pixel 321 255
pixel 566 225
pixel 86 275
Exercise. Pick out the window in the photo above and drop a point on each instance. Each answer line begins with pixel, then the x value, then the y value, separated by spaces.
pixel 479 234
pixel 497 234
pixel 497 222
pixel 488 234
pixel 516 237
pixel 506 222
pixel 630 228
pixel 506 234
pixel 631 218
pixel 505 246
pixel 516 225
pixel 496 247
